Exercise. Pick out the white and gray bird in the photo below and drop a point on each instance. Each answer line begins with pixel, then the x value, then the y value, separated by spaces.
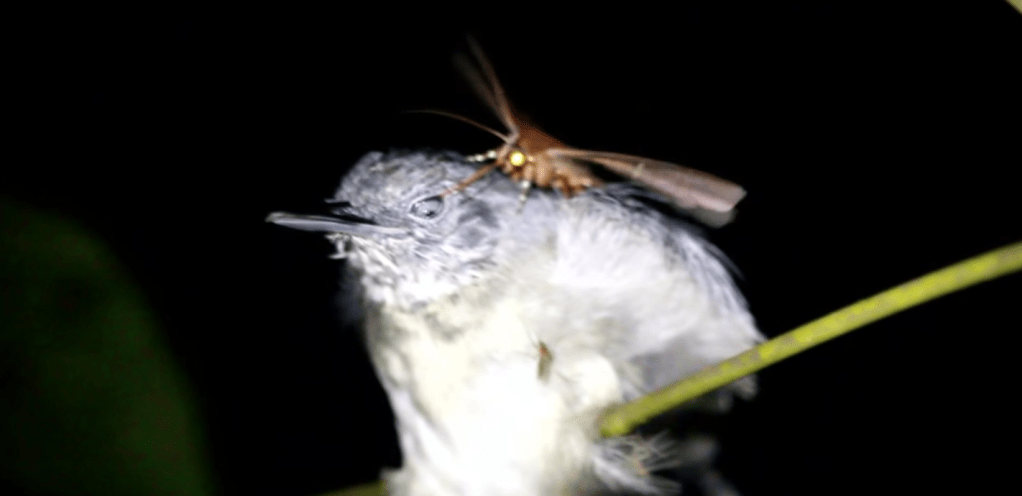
pixel 500 331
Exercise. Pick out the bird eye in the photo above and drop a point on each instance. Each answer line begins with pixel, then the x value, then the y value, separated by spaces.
pixel 428 208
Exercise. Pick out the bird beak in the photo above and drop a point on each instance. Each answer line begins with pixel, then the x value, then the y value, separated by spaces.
pixel 331 224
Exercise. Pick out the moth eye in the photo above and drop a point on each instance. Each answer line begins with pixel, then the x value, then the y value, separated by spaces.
pixel 516 158
pixel 428 208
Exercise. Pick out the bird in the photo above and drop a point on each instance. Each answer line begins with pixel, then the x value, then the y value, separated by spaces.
pixel 501 331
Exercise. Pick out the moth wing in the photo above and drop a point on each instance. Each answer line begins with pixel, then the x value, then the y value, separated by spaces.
pixel 689 188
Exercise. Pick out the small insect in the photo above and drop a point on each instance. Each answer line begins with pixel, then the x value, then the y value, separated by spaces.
pixel 531 156
pixel 546 360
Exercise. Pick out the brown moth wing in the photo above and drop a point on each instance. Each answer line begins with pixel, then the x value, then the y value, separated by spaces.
pixel 689 188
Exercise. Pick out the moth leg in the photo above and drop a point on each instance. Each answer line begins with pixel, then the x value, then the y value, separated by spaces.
pixel 471 179
pixel 559 184
pixel 524 186
pixel 564 184
pixel 483 157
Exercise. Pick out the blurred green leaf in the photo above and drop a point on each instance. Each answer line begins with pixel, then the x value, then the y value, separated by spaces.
pixel 91 401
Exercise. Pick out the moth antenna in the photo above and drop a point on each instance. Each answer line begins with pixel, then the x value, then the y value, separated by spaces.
pixel 499 99
pixel 478 83
pixel 464 119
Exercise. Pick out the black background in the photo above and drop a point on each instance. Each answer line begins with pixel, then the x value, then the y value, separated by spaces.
pixel 877 143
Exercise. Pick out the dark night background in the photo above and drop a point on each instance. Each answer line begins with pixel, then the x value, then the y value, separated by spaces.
pixel 877 143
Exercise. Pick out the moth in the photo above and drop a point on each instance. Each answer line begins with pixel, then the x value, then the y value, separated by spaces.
pixel 533 157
